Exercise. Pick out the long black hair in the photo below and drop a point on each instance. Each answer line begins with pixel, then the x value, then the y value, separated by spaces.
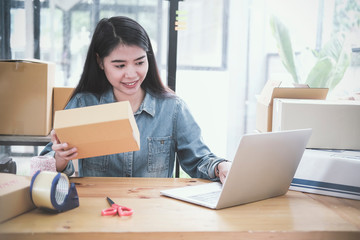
pixel 108 34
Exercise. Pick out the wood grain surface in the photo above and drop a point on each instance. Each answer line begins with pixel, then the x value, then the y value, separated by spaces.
pixel 295 215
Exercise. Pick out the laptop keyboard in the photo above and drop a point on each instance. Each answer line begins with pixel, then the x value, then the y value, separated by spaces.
pixel 210 197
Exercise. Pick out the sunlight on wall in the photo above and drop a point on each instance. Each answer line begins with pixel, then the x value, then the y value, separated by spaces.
pixel 206 93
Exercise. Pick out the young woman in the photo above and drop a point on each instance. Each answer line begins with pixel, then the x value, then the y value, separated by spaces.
pixel 120 66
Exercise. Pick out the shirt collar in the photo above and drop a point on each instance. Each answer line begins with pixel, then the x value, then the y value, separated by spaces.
pixel 107 97
pixel 148 105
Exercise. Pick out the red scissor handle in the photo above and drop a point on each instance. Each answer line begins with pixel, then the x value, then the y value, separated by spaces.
pixel 125 211
pixel 109 211
pixel 117 209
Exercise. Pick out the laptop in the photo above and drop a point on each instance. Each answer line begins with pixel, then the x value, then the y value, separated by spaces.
pixel 263 167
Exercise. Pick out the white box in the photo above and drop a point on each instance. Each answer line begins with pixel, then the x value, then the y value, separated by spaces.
pixel 335 124
pixel 329 172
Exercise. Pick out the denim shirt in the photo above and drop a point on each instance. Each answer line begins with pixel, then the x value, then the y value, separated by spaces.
pixel 166 127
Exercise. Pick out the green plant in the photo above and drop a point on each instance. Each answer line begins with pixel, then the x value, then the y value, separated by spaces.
pixel 331 61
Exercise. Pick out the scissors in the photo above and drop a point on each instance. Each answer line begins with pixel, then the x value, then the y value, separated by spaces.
pixel 116 209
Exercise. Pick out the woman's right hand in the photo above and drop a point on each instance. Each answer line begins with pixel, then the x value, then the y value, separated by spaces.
pixel 62 154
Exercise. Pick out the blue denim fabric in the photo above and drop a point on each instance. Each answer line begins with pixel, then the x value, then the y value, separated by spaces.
pixel 166 127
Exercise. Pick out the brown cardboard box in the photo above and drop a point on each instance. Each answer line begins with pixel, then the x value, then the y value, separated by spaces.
pixel 14 195
pixel 61 97
pixel 26 97
pixel 335 123
pixel 273 89
pixel 98 130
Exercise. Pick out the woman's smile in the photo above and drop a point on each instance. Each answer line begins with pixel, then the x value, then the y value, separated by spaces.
pixel 130 84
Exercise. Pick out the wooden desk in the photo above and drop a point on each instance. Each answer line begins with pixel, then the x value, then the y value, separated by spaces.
pixel 293 216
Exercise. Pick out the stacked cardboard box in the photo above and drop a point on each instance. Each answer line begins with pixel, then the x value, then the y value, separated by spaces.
pixel 61 96
pixel 335 127
pixel 275 89
pixel 26 97
pixel 326 168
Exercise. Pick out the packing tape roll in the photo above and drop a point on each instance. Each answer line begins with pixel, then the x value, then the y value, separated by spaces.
pixel 53 191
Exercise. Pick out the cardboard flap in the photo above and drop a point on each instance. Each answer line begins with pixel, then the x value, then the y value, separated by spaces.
pixel 299 93
pixel 266 94
pixel 26 61
pixel 279 89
